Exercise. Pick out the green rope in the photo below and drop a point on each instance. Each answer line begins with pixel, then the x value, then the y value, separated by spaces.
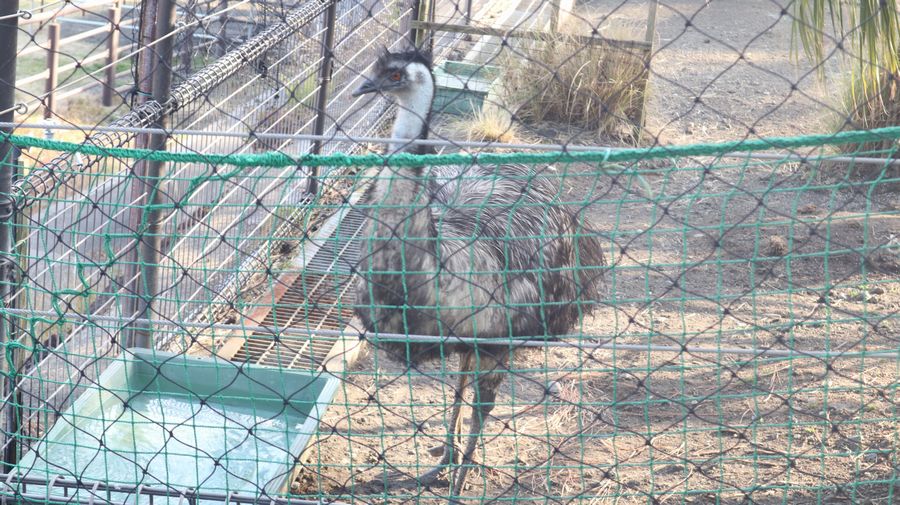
pixel 278 159
pixel 695 270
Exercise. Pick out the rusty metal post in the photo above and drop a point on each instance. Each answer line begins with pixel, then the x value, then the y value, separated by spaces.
pixel 111 56
pixel 325 72
pixel 9 29
pixel 145 217
pixel 222 42
pixel 52 66
pixel 144 83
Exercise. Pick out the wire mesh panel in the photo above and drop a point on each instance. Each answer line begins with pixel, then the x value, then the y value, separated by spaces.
pixel 275 95
pixel 739 329
pixel 391 251
pixel 265 80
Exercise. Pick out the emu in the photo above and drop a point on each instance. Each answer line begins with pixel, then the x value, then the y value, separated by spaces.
pixel 465 251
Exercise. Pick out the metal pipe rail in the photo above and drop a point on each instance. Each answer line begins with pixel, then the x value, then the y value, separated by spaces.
pixel 564 341
pixel 15 486
pixel 462 144
pixel 68 9
pixel 45 178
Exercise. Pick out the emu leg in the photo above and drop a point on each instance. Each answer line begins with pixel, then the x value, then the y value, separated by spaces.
pixel 486 391
pixel 450 451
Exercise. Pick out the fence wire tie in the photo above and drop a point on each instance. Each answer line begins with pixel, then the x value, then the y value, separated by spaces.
pixel 608 169
pixel 22 13
pixel 52 483
pixel 94 493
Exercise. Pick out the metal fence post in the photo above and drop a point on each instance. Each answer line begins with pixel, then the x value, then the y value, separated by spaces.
pixel 422 12
pixel 145 56
pixel 52 65
pixel 145 219
pixel 414 33
pixel 112 55
pixel 9 30
pixel 222 41
pixel 187 44
pixel 325 72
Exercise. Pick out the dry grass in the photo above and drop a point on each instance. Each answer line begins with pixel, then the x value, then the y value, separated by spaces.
pixel 860 107
pixel 490 123
pixel 598 87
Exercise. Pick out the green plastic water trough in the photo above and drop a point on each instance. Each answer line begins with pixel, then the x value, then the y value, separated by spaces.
pixel 161 419
pixel 462 87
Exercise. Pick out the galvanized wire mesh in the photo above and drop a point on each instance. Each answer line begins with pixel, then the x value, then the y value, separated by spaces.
pixel 742 345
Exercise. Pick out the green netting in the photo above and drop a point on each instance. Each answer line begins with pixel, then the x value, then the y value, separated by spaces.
pixel 743 348
pixel 278 159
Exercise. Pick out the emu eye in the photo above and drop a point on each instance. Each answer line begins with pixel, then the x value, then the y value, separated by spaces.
pixel 395 76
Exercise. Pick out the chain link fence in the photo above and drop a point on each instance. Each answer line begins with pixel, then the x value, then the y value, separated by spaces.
pixel 302 252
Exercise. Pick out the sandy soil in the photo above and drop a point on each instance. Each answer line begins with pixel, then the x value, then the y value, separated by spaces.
pixel 697 270
pixel 731 73
pixel 732 254
pixel 755 255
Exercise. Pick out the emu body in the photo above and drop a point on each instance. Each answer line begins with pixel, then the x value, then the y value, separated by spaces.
pixel 467 251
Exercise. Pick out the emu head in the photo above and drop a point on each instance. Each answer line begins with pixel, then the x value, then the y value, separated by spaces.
pixel 400 74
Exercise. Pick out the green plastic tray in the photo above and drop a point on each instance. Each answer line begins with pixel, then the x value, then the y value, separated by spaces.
pixel 191 422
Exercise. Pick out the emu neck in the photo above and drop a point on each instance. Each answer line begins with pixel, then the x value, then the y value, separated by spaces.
pixel 404 185
pixel 413 114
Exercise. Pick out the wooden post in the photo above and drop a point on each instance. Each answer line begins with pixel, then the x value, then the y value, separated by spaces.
pixel 187 45
pixel 560 13
pixel 651 22
pixel 415 17
pixel 144 84
pixel 112 55
pixel 554 16
pixel 431 19
pixel 649 37
pixel 422 16
pixel 52 64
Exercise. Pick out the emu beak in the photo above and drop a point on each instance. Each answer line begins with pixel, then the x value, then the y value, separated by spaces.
pixel 369 86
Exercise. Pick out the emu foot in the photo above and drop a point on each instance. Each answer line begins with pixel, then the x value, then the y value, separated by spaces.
pixel 447 453
pixel 432 475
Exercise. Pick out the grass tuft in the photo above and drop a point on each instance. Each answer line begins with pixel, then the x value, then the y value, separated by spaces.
pixel 490 123
pixel 863 106
pixel 559 78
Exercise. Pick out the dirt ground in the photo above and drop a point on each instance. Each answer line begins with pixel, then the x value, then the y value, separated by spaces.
pixel 667 425
pixel 736 58
pixel 747 255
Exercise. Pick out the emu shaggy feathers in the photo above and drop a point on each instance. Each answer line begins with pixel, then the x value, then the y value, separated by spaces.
pixel 484 252
pixel 477 251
